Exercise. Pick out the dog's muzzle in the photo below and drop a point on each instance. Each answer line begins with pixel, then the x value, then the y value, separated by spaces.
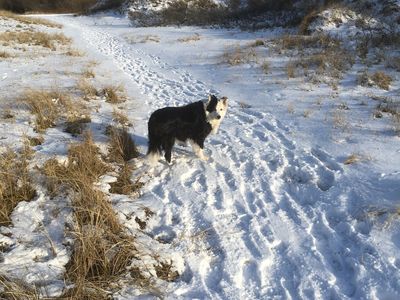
pixel 218 117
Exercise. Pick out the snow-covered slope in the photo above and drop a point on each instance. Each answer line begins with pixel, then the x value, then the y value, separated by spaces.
pixel 275 213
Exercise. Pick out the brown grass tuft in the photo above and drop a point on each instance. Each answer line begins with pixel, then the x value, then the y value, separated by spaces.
pixel 76 126
pixel 29 20
pixel 352 159
pixel 47 106
pixel 164 271
pixel 382 80
pixel 15 289
pixel 87 88
pixel 4 54
pixel 121 118
pixel 42 39
pixel 239 56
pixel 124 184
pixel 15 181
pixel 122 147
pixel 114 94
pixel 102 250
pixel 192 38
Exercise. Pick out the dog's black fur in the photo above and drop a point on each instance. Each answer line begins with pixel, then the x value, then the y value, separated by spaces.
pixel 182 123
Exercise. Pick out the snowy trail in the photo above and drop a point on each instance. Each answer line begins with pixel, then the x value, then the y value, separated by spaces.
pixel 260 220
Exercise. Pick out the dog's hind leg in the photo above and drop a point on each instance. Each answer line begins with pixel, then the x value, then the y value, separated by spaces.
pixel 168 144
pixel 198 149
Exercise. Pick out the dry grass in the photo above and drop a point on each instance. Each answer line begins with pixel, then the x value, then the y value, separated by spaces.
pixel 142 39
pixel 192 38
pixel 15 289
pixel 339 120
pixel 384 216
pixel 382 80
pixel 15 181
pixel 114 94
pixel 122 147
pixel 319 56
pixel 74 53
pixel 7 114
pixel 290 108
pixel 257 43
pixel 265 66
pixel 35 38
pixel 47 106
pixel 124 184
pixel 307 113
pixel 88 73
pixel 239 56
pixel 4 55
pixel 87 88
pixel 291 69
pixel 29 20
pixel 352 159
pixel 35 141
pixel 301 42
pixel 379 79
pixel 121 118
pixel 76 125
pixel 102 250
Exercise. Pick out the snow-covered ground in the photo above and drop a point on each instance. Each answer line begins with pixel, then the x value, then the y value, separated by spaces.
pixel 275 213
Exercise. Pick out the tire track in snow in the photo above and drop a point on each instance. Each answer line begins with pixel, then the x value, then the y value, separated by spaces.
pixel 253 222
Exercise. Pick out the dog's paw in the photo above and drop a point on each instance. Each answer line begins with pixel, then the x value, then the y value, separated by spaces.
pixel 204 158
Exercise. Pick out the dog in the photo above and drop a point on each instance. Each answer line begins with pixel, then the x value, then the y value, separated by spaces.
pixel 192 122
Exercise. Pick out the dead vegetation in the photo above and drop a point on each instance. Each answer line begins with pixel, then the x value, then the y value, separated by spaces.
pixel 15 181
pixel 121 118
pixel 239 55
pixel 88 90
pixel 77 124
pixel 47 106
pixel 122 147
pixel 101 250
pixel 28 20
pixel 4 55
pixel 124 184
pixel 383 216
pixel 14 289
pixel 379 78
pixel 193 38
pixel 316 56
pixel 43 39
pixel 114 94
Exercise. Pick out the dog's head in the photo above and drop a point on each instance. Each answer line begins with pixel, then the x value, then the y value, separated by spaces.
pixel 216 110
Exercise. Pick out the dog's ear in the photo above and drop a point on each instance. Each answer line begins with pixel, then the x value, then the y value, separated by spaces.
pixel 224 100
pixel 212 103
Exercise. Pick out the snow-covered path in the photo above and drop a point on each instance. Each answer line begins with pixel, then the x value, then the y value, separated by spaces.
pixel 263 218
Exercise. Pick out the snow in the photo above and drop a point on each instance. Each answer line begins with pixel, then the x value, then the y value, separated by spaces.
pixel 275 213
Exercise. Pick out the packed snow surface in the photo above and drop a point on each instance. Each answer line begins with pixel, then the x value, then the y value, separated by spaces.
pixel 275 213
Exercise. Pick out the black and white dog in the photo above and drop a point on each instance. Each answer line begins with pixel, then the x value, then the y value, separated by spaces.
pixel 192 122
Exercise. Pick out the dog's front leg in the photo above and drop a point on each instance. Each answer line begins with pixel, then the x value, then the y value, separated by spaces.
pixel 198 150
